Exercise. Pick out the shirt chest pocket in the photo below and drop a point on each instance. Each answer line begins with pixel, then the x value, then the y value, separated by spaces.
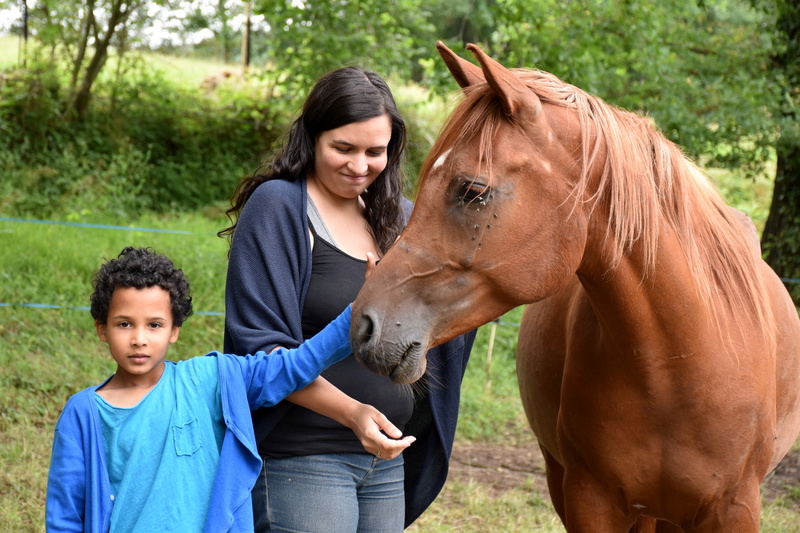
pixel 187 437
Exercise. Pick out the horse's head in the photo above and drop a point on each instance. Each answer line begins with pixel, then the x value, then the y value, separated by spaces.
pixel 495 225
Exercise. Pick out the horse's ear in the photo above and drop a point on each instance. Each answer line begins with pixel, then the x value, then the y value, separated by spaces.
pixel 513 93
pixel 463 71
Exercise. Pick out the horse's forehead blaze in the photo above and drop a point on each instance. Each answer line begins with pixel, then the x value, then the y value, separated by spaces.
pixel 441 159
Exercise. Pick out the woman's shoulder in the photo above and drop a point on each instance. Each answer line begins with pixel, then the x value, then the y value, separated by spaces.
pixel 277 190
pixel 273 202
pixel 407 206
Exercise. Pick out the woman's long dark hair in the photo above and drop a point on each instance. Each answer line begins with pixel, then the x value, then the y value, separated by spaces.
pixel 340 97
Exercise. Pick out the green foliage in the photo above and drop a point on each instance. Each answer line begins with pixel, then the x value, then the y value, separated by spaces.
pixel 30 104
pixel 702 73
pixel 491 379
pixel 147 143
pixel 310 38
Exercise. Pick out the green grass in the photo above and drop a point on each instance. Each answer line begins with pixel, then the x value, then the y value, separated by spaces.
pixel 469 510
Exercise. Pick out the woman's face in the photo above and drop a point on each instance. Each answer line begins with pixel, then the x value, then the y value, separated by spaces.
pixel 349 158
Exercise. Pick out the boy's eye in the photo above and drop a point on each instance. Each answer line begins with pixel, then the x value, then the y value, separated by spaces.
pixel 124 324
pixel 155 325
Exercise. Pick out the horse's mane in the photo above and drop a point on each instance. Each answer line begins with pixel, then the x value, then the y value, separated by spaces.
pixel 646 180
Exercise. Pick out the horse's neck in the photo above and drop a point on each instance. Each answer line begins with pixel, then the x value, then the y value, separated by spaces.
pixel 659 309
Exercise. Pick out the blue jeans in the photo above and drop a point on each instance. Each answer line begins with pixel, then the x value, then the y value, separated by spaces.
pixel 336 493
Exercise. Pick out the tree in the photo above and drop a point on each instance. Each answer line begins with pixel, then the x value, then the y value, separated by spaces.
pixel 310 38
pixel 781 236
pixel 464 21
pixel 80 32
pixel 698 71
pixel 100 24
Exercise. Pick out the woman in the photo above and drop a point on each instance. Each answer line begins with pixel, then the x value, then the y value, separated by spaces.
pixel 304 232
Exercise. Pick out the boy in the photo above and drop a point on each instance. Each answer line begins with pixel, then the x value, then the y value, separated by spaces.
pixel 163 446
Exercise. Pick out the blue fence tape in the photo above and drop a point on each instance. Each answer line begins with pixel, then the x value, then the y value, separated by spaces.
pixel 100 226
pixel 156 230
pixel 86 308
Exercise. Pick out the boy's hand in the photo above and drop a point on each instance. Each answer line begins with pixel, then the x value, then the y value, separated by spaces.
pixel 367 423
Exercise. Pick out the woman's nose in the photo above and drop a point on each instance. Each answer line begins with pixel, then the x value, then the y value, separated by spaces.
pixel 358 165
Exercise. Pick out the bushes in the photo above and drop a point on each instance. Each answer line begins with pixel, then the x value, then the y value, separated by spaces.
pixel 151 142
pixel 146 144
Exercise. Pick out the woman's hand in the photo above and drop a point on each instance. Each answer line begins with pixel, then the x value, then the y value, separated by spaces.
pixel 379 437
pixel 365 421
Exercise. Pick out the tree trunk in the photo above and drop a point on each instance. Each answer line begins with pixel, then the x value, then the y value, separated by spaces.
pixel 23 52
pixel 781 237
pixel 246 39
pixel 79 101
pixel 88 25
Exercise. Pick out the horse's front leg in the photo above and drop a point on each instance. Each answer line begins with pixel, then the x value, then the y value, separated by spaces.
pixel 589 508
pixel 738 511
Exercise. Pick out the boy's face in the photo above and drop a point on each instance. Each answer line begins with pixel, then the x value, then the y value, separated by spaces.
pixel 139 331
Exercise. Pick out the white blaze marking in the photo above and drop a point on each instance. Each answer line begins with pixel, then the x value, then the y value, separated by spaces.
pixel 439 162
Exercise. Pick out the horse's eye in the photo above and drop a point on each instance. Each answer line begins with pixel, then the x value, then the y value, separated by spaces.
pixel 474 194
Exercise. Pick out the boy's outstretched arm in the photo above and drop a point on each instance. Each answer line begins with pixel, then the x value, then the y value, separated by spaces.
pixel 270 378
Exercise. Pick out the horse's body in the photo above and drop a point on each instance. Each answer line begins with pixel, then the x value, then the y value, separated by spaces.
pixel 659 358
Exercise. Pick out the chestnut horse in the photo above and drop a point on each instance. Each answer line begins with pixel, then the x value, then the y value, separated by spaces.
pixel 659 356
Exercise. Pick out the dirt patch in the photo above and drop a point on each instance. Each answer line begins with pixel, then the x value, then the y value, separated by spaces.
pixel 502 467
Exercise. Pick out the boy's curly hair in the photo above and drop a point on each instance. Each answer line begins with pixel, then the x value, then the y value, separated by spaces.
pixel 141 268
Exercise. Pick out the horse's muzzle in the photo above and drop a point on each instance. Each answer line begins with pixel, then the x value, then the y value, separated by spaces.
pixel 386 353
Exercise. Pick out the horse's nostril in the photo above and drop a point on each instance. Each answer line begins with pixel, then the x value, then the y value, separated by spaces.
pixel 361 332
pixel 367 329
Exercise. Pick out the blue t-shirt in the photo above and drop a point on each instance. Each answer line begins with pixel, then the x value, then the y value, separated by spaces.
pixel 162 454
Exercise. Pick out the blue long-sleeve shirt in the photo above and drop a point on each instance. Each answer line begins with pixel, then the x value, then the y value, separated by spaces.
pixel 79 496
